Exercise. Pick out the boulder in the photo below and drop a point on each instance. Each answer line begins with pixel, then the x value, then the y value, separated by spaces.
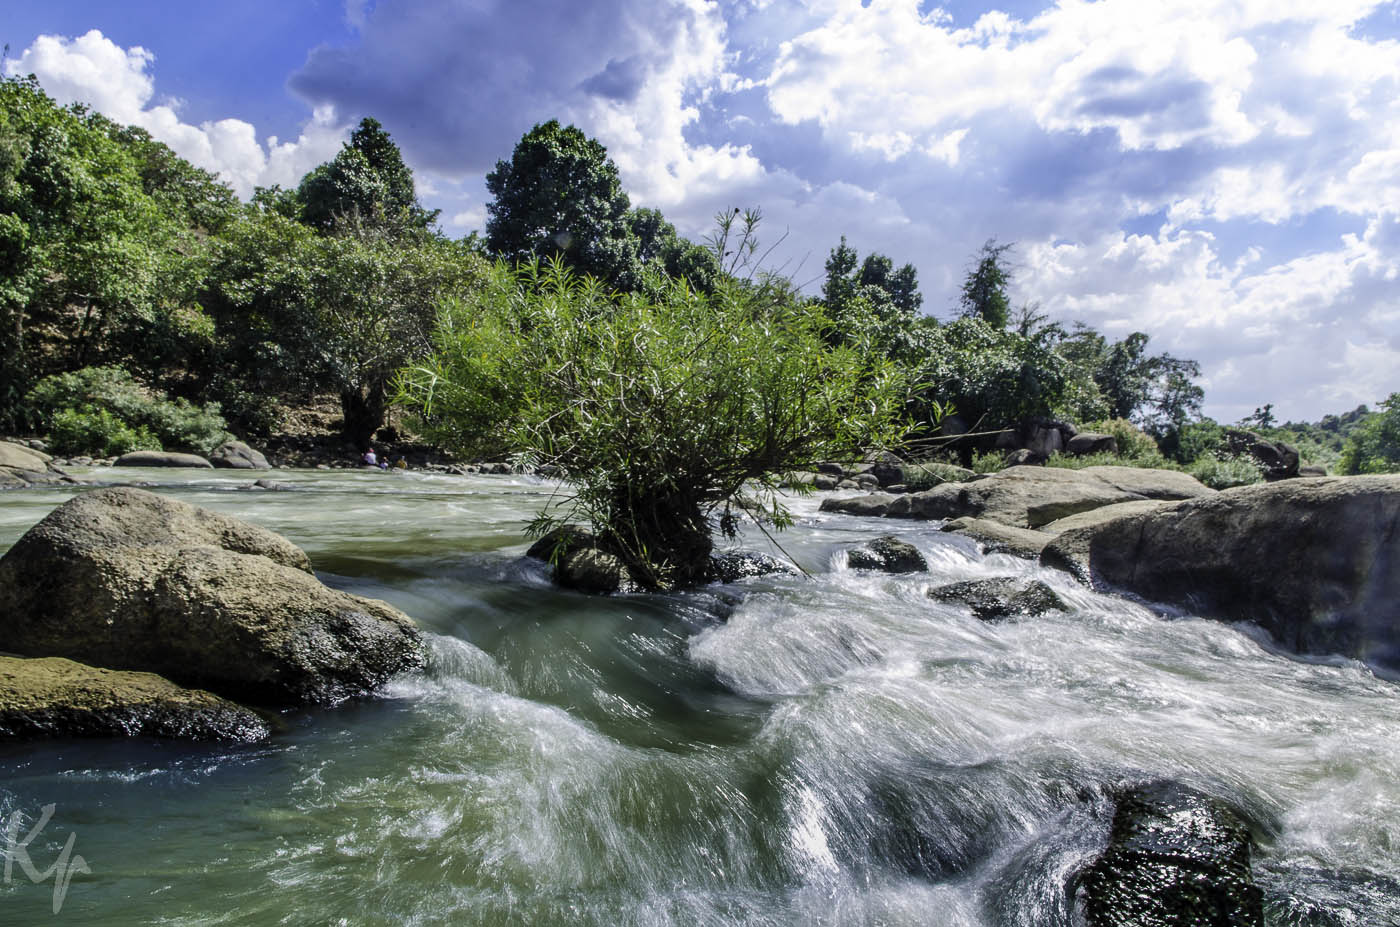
pixel 1033 496
pixel 1025 457
pixel 887 554
pixel 162 459
pixel 1101 515
pixel 52 697
pixel 1175 857
pixel 1088 442
pixel 1315 562
pixel 831 469
pixel 22 466
pixel 127 579
pixel 1001 597
pixel 742 564
pixel 235 455
pixel 559 542
pixel 1045 440
pixel 873 505
pixel 825 481
pixel 1277 460
pixel 996 538
pixel 797 479
pixel 591 569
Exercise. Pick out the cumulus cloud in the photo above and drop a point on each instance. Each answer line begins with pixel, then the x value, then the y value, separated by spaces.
pixel 118 82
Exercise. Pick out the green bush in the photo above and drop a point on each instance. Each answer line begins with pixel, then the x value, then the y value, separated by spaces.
pixel 176 424
pixel 97 432
pixel 1133 442
pixel 1374 447
pixel 990 462
pixel 661 411
pixel 1224 472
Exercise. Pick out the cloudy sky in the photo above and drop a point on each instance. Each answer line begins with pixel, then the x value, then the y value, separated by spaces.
pixel 1223 174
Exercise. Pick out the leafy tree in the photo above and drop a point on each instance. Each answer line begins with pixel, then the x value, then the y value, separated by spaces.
pixel 657 249
pixel 104 237
pixel 559 194
pixel 984 289
pixel 872 305
pixel 661 411
pixel 366 182
pixel 1374 447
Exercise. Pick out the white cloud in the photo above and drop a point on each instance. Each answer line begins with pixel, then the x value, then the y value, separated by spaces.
pixel 117 82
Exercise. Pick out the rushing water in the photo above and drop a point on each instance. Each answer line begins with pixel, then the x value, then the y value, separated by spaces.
pixel 839 750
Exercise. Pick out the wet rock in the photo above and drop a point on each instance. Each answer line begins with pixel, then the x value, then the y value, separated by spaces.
pixel 127 579
pixel 559 542
pixel 590 569
pixel 273 485
pixel 1175 857
pixel 1309 896
pixel 1002 597
pixel 996 538
pixel 732 567
pixel 236 455
pixel 162 459
pixel 1315 562
pixel 53 697
pixel 887 554
pixel 873 505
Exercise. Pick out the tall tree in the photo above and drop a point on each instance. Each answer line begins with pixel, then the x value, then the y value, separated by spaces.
pixel 559 194
pixel 367 181
pixel 984 293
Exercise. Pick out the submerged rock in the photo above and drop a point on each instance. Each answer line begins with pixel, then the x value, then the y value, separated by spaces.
pixel 52 697
pixel 742 564
pixel 1175 858
pixel 127 579
pixel 887 554
pixel 1315 562
pixel 1002 597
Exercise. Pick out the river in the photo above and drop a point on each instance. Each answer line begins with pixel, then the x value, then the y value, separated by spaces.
pixel 833 750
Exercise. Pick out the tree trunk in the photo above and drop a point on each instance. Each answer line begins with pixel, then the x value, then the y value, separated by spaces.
pixel 363 409
pixel 665 541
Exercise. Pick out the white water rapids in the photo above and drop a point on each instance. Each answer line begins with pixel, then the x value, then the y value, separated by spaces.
pixel 839 750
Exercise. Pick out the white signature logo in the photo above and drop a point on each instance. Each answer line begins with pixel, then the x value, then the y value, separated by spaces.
pixel 17 851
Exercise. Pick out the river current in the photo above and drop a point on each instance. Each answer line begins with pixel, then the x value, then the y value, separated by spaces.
pixel 832 750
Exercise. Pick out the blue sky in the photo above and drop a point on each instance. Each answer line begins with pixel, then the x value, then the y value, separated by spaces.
pixel 1222 174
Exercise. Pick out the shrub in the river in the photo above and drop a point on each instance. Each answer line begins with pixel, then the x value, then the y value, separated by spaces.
pixel 107 407
pixel 661 410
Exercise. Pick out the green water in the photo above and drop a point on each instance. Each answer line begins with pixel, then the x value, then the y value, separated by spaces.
pixel 838 750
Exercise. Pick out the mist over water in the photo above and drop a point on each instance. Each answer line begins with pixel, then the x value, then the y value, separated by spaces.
pixel 839 750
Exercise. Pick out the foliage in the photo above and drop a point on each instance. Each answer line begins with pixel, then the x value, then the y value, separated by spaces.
pixel 988 462
pixel 1374 447
pixel 992 377
pixel 984 289
pixel 662 412
pixel 366 183
pixel 921 476
pixel 99 433
pixel 1225 471
pixel 104 239
pixel 873 306
pixel 96 400
pixel 1133 443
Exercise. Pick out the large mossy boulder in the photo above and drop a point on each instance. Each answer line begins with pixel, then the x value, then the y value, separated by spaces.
pixel 1316 562
pixel 50 697
pixel 127 579
pixel 1029 497
pixel 1175 858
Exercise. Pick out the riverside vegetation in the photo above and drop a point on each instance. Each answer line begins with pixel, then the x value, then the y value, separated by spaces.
pixel 679 396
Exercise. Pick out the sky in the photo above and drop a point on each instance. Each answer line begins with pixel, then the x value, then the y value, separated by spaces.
pixel 1221 174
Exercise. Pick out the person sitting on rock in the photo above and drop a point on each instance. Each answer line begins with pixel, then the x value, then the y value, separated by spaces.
pixel 369 459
